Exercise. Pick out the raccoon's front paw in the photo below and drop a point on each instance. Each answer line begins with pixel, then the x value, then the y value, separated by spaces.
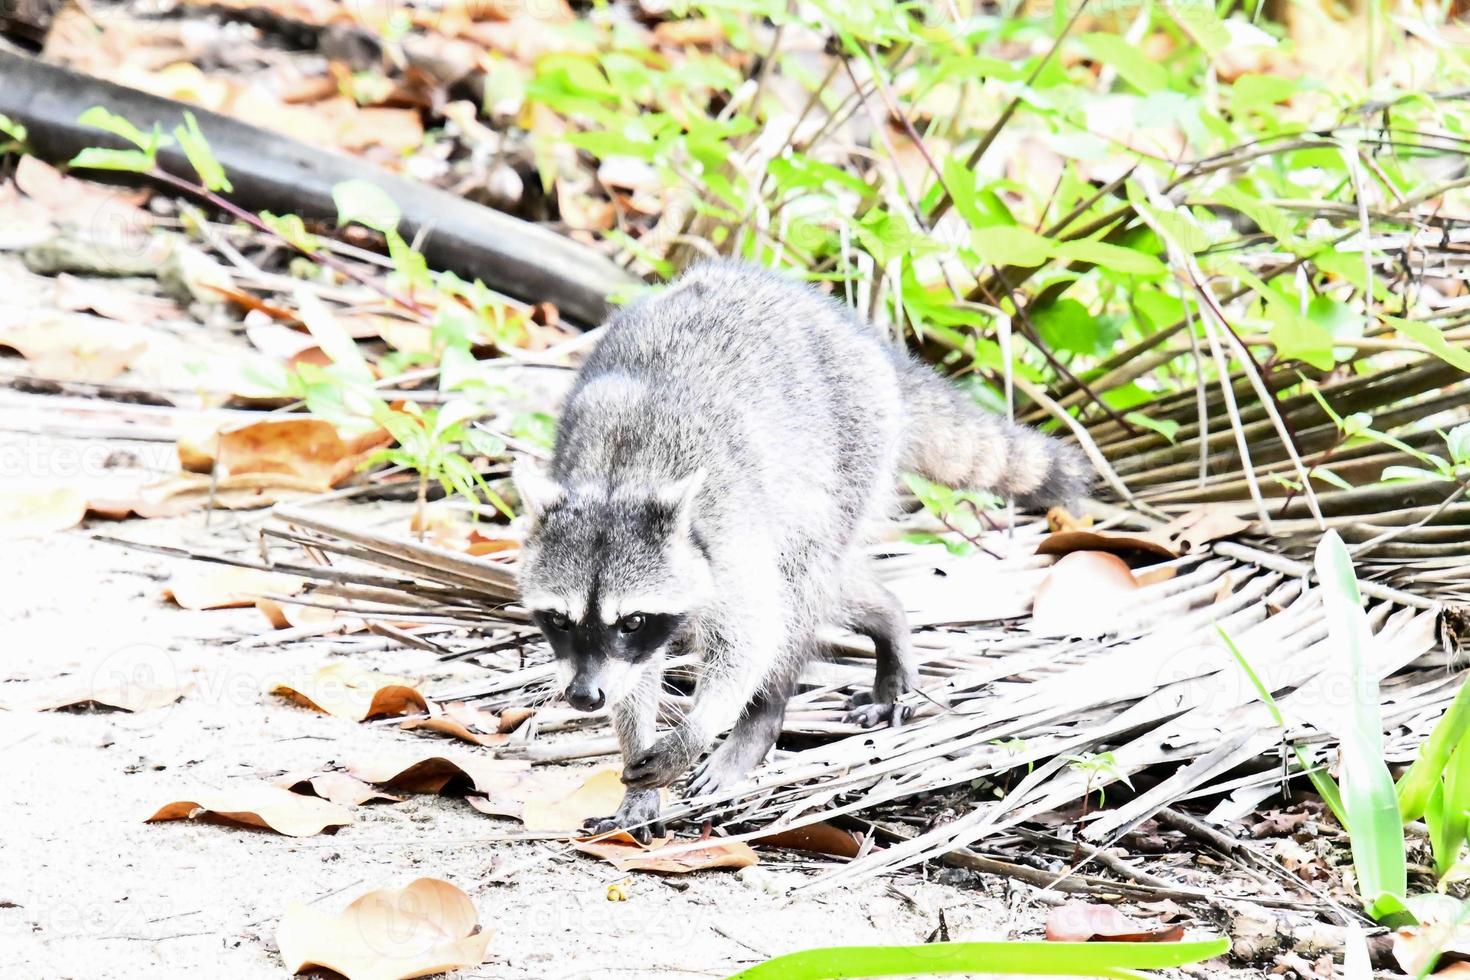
pixel 661 763
pixel 889 687
pixel 867 710
pixel 637 814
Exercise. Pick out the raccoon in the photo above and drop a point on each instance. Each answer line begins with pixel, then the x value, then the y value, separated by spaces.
pixel 723 456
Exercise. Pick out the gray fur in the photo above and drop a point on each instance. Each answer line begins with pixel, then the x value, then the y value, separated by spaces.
pixel 724 455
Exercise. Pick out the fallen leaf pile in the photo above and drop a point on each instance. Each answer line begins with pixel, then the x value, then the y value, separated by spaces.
pixel 429 926
pixel 266 807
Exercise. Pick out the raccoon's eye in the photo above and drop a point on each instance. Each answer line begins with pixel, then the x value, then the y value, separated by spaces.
pixel 558 620
pixel 631 624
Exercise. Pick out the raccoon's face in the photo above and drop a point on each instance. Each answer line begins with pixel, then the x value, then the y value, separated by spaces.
pixel 611 579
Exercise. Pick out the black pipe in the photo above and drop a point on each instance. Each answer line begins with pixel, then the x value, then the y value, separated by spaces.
pixel 271 171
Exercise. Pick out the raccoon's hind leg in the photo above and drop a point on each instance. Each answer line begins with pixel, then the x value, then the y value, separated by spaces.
pixel 634 718
pixel 753 736
pixel 875 612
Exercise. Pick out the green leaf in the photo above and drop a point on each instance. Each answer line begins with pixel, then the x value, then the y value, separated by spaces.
pixel 1010 245
pixel 888 237
pixel 799 171
pixel 1158 308
pixel 201 157
pixel 1367 787
pixel 408 263
pixel 334 341
pixel 1127 59
pixel 12 128
pixel 1455 815
pixel 1300 338
pixel 1433 341
pixel 1340 321
pixel 103 119
pixel 98 158
pixel 1168 428
pixel 1405 474
pixel 988 958
pixel 1458 442
pixel 1416 785
pixel 1067 325
pixel 367 204
pixel 980 207
pixel 292 229
pixel 1114 258
pixel 1261 91
pixel 1180 229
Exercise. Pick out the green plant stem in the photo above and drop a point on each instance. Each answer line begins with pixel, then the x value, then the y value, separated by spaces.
pixel 253 220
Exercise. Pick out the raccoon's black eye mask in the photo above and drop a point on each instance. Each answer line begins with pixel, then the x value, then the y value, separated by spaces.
pixel 634 637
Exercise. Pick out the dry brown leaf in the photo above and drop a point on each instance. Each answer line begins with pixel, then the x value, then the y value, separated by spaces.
pixel 347 691
pixel 440 773
pixel 1066 542
pixel 251 302
pixel 461 721
pixel 513 718
pixel 1083 595
pixel 133 695
pixel 75 347
pixel 338 787
pixel 295 615
pixel 205 585
pixel 81 202
pixel 115 303
pixel 29 512
pixel 817 838
pixel 667 855
pixel 497 806
pixel 1438 941
pixel 1191 531
pixel 597 796
pixel 1081 922
pixel 310 453
pixel 427 927
pixel 267 807
pixel 184 492
pixel 1187 533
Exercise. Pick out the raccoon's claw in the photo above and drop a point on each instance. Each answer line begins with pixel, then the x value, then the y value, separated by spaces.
pixel 660 764
pixel 713 777
pixel 866 711
pixel 637 815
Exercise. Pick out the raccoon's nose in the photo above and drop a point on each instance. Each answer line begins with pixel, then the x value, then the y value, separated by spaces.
pixel 585 698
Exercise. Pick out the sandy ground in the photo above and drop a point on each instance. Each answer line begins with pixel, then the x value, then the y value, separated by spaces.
pixel 87 890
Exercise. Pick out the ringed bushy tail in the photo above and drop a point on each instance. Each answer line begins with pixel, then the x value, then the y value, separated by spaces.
pixel 951 440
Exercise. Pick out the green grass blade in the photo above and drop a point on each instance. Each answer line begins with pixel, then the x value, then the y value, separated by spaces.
pixel 1454 816
pixel 1418 783
pixel 1030 958
pixel 1322 781
pixel 1368 793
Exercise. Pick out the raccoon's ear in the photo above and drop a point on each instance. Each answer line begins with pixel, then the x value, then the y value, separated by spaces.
pixel 680 496
pixel 537 490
